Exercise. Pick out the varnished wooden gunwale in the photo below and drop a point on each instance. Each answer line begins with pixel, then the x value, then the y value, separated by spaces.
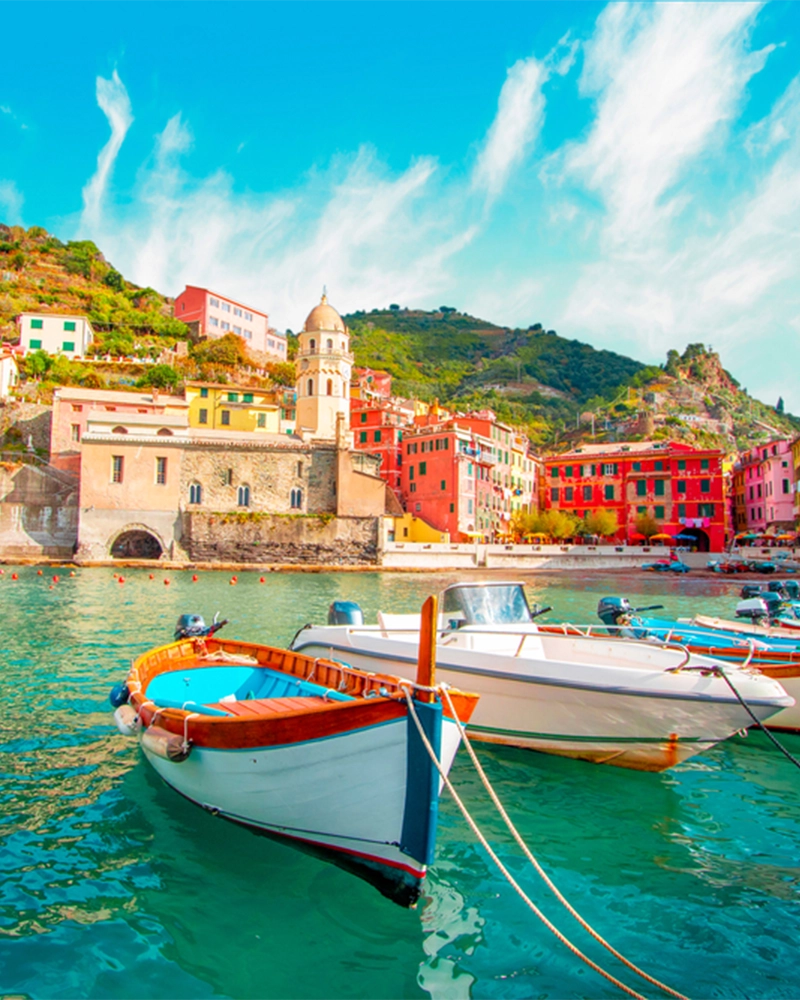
pixel 316 719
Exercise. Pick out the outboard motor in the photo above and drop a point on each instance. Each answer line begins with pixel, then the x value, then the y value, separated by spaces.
pixel 792 589
pixel 751 590
pixel 611 609
pixel 755 609
pixel 345 613
pixel 194 627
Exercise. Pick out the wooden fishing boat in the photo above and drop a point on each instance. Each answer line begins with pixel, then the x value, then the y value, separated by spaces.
pixel 299 747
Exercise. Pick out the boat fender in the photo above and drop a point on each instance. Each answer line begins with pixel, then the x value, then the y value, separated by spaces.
pixel 127 720
pixel 168 746
pixel 119 694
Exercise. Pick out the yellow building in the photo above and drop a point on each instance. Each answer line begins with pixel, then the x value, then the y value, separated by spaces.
pixel 214 406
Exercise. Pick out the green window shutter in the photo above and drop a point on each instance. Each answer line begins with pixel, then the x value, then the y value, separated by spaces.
pixel 681 510
pixel 641 488
pixel 69 327
pixel 36 324
pixel 681 464
pixel 36 345
pixel 377 436
pixel 444 485
pixel 363 418
pixel 248 397
pixel 660 487
pixel 363 437
pixel 568 472
pixel 423 468
pixel 659 513
pixel 554 472
pixel 705 485
pixel 616 468
pixel 233 397
pixel 637 466
pixel 68 345
pixel 609 492
pixel 204 393
pixel 704 463
pixel 411 472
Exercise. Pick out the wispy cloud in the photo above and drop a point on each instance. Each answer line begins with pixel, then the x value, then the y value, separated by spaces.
pixel 10 203
pixel 116 106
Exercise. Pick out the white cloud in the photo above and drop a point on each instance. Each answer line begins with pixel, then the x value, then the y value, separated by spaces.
pixel 10 203
pixel 520 113
pixel 116 106
pixel 667 78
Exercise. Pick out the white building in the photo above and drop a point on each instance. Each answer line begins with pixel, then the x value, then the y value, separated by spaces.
pixel 56 334
pixel 324 369
pixel 9 374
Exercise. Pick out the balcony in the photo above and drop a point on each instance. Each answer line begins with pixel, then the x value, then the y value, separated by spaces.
pixel 328 355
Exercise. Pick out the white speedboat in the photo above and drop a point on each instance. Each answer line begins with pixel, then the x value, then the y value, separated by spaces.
pixel 640 705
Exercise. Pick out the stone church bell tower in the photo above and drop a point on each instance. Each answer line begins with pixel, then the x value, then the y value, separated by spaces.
pixel 324 367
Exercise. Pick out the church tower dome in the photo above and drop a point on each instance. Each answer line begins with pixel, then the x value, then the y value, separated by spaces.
pixel 324 368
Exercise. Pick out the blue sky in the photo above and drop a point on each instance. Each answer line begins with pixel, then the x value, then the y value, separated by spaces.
pixel 628 175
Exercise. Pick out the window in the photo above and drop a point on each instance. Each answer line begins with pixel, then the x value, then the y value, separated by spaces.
pixel 377 436
pixel 641 487
pixel 660 487
pixel 77 408
pixel 363 418
pixel 161 471
pixel 225 307
pixel 233 397
pixel 76 432
pixel 681 510
pixel 248 334
pixel 411 472
pixel 243 496
pixel 658 466
pixel 568 472
pixel 36 324
pixel 637 466
pixel 68 345
pixel 224 325
pixel 262 420
pixel 247 397
pixel 423 468
pixel 299 470
pixel 568 493
pixel 446 444
pixel 248 315
pixel 225 419
pixel 659 513
pixel 452 508
pixel 554 472
pixel 227 477
pixel 329 344
pixel 469 506
pixel 214 302
pixel 444 484
pixel 203 416
pixel 213 321
pixel 608 491
pixel 310 387
pixel 707 510
pixel 312 344
pixel 413 488
pixel 705 485
pixel 641 510
pixel 554 494
pixel 204 393
pixel 296 499
pixel 69 327
pixel 329 387
pixel 237 311
pixel 587 493
pixel 681 464
pixel 363 437
pixel 164 432
pixel 195 493
pixel 681 486
pixel 117 467
pixel 704 463
pixel 610 469
pixel 36 345
pixel 786 486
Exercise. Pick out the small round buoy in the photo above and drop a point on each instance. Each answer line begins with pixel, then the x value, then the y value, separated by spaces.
pixel 152 576
pixel 233 581
pixel 38 572
pixel 72 572
pixel 166 583
pixel 14 576
pixel 56 579
pixel 51 587
pixel 120 579
pixel 194 578
pixel 261 579
pixel 2 572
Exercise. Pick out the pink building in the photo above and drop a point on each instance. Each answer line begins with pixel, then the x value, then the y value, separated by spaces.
pixel 74 407
pixel 216 315
pixel 767 478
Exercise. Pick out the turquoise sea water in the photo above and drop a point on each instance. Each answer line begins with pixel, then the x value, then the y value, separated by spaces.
pixel 113 886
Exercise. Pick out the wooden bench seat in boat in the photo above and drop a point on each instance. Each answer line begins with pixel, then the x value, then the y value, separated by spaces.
pixel 270 706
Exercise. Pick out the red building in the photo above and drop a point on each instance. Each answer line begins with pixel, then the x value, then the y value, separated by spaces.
pixel 377 428
pixel 371 383
pixel 681 487
pixel 446 479
pixel 215 315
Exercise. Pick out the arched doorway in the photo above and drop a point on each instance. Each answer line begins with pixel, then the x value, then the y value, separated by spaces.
pixel 136 544
pixel 699 538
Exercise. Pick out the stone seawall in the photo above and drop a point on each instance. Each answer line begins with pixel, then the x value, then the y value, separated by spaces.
pixel 38 511
pixel 285 540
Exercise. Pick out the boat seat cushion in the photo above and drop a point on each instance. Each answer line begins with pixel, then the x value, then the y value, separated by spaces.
pixel 390 622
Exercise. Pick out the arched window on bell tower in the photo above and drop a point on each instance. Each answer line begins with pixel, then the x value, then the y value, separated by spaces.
pixel 330 386
pixel 312 344
pixel 311 387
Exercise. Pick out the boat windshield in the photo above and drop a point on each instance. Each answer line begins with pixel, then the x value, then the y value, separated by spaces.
pixel 486 604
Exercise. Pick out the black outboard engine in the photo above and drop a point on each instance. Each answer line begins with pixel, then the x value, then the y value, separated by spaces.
pixel 194 627
pixel 751 590
pixel 792 589
pixel 345 613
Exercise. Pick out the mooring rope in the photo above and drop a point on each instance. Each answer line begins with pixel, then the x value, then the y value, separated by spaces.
pixel 539 870
pixel 502 868
pixel 721 673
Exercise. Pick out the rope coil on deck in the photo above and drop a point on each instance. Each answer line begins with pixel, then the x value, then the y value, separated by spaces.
pixel 442 690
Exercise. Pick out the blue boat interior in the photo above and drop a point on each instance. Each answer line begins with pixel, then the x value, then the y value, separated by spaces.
pixel 199 688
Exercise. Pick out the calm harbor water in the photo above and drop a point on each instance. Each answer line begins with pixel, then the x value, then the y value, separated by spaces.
pixel 113 886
